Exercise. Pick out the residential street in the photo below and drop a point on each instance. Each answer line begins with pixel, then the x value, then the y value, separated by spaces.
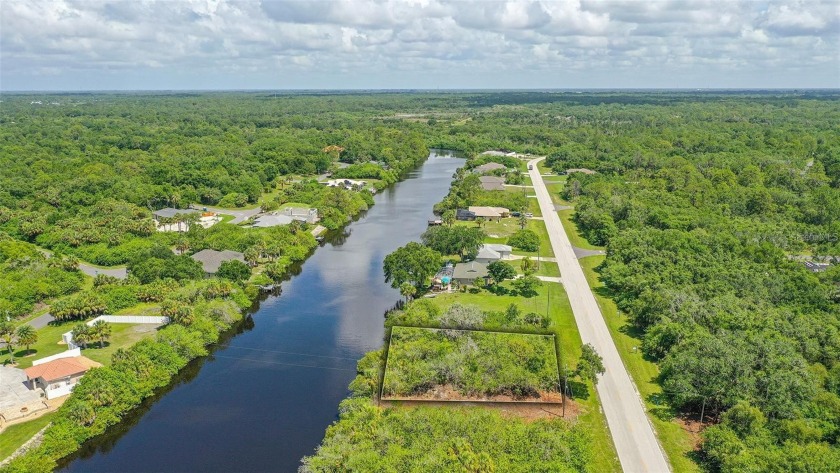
pixel 633 435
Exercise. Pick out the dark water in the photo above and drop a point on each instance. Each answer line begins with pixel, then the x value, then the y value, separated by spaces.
pixel 264 398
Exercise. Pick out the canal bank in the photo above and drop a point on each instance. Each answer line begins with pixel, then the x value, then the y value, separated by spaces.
pixel 263 398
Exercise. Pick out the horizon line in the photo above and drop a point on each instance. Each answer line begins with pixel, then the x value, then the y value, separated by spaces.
pixel 420 89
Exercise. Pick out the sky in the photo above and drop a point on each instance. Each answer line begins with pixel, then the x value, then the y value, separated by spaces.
pixel 417 44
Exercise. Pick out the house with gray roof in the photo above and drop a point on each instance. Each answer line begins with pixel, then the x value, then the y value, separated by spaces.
pixel 211 259
pixel 492 183
pixel 489 167
pixel 169 212
pixel 467 273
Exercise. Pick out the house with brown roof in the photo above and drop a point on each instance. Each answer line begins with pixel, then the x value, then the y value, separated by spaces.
pixel 490 213
pixel 59 376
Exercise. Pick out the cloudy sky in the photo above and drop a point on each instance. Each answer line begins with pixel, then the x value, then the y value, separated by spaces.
pixel 430 44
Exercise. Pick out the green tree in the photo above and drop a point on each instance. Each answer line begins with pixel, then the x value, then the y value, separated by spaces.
pixel 590 364
pixel 500 270
pixel 234 270
pixel 27 336
pixel 101 331
pixel 407 290
pixel 528 265
pixel 448 218
pixel 413 263
pixel 7 334
pixel 525 240
pixel 82 334
pixel 527 285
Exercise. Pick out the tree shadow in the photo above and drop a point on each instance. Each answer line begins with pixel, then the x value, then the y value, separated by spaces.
pixel 578 389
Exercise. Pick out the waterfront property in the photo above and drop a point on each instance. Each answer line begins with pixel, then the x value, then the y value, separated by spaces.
pixel 492 183
pixel 467 273
pixel 211 259
pixel 442 281
pixel 490 213
pixel 464 214
pixel 488 167
pixel 58 376
pixel 286 216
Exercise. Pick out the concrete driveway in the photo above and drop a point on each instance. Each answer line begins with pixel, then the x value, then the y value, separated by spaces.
pixel 635 441
pixel 239 216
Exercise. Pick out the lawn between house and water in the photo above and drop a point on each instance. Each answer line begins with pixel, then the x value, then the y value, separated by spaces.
pixel 470 365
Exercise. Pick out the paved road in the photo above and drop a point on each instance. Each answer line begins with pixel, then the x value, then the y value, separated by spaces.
pixel 119 272
pixel 634 438
pixel 239 216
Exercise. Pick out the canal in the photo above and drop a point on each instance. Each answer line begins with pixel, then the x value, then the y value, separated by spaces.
pixel 264 397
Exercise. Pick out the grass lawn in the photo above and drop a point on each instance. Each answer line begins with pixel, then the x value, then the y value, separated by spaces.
pixel 547 268
pixel 225 218
pixel 534 207
pixel 678 444
pixel 574 235
pixel 500 230
pixel 122 335
pixel 15 436
pixel 553 297
pixel 538 226
pixel 143 308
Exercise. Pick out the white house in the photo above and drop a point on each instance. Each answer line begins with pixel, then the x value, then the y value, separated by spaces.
pixel 57 377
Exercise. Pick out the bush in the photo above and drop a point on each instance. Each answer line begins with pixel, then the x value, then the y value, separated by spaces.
pixel 234 270
pixel 525 240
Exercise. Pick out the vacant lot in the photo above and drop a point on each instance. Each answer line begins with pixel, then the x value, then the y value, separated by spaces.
pixel 446 364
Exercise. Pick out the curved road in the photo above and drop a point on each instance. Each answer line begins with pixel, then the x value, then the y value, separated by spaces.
pixel 634 438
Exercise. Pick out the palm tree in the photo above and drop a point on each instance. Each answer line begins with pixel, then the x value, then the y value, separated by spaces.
pixel 408 290
pixel 27 336
pixel 480 221
pixel 81 334
pixel 252 255
pixel 101 331
pixel 448 217
pixel 523 221
pixel 182 245
pixel 7 332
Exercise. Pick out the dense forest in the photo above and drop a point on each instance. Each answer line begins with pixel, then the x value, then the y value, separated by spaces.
pixel 707 204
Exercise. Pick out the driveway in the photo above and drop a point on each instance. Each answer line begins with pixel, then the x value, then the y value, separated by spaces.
pixel 633 436
pixel 239 216
pixel 119 272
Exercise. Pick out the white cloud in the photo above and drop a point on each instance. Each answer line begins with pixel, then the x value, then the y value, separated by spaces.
pixel 421 43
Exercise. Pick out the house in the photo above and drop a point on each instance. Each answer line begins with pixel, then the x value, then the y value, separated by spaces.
pixel 490 213
pixel 348 184
pixel 488 167
pixel 494 153
pixel 467 273
pixel 59 376
pixel 434 220
pixel 165 220
pixel 815 267
pixel 272 220
pixel 303 214
pixel 286 216
pixel 211 259
pixel 169 212
pixel 464 214
pixel 491 252
pixel 492 183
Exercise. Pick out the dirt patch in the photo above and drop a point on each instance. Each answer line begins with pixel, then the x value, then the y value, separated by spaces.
pixel 694 428
pixel 144 328
pixel 449 393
